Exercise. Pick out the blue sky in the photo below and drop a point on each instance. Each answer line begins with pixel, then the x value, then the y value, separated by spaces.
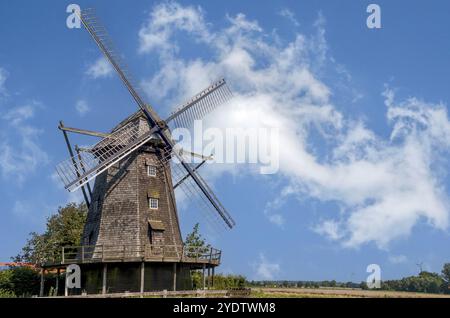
pixel 362 113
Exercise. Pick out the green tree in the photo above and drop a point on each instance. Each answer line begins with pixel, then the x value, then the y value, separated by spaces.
pixel 220 281
pixel 19 281
pixel 425 282
pixel 195 243
pixel 229 281
pixel 197 280
pixel 64 228
pixel 195 238
pixel 363 285
pixel 446 278
pixel 6 294
pixel 6 280
pixel 195 246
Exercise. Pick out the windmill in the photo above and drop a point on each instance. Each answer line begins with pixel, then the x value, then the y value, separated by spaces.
pixel 132 224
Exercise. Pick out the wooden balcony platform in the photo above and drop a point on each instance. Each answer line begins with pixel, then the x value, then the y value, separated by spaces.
pixel 197 257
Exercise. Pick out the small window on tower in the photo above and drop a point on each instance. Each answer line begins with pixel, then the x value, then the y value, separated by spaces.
pixel 151 171
pixel 153 203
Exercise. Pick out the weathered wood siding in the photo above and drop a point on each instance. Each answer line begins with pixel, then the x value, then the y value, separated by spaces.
pixel 120 210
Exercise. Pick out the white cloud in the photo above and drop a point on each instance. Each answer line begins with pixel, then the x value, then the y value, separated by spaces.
pixel 3 77
pixel 329 229
pixel 19 114
pixel 20 151
pixel 82 107
pixel 266 270
pixel 166 18
pixel 276 219
pixel 240 24
pixel 100 68
pixel 275 205
pixel 288 14
pixel 383 187
pixel 388 186
pixel 398 259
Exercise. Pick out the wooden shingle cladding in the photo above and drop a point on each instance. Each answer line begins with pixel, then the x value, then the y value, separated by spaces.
pixel 120 212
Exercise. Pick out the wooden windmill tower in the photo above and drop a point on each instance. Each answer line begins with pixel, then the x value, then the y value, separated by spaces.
pixel 132 239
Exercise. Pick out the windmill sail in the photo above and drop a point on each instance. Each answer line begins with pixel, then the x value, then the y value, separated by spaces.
pixel 188 186
pixel 100 35
pixel 201 104
pixel 80 169
pixel 116 147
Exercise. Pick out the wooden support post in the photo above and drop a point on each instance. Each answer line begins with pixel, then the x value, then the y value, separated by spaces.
pixel 212 277
pixel 174 276
pixel 58 272
pixel 105 272
pixel 209 277
pixel 69 147
pixel 41 291
pixel 203 276
pixel 66 290
pixel 142 277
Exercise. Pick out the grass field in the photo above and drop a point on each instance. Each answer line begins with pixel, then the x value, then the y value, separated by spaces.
pixel 270 293
pixel 335 293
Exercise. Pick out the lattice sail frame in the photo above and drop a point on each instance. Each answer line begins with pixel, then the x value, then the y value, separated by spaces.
pixel 80 169
pixel 187 187
pixel 201 104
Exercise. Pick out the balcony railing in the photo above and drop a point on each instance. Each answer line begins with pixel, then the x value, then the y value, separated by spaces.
pixel 130 253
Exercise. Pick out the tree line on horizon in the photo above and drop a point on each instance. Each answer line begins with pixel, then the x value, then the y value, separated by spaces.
pixel 424 282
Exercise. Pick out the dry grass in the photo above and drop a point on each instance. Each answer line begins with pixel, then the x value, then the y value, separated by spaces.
pixel 336 293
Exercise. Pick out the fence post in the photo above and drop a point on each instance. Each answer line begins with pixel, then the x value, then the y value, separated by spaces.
pixel 41 290
pixel 174 276
pixel 209 277
pixel 58 272
pixel 105 271
pixel 66 289
pixel 203 276
pixel 142 277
